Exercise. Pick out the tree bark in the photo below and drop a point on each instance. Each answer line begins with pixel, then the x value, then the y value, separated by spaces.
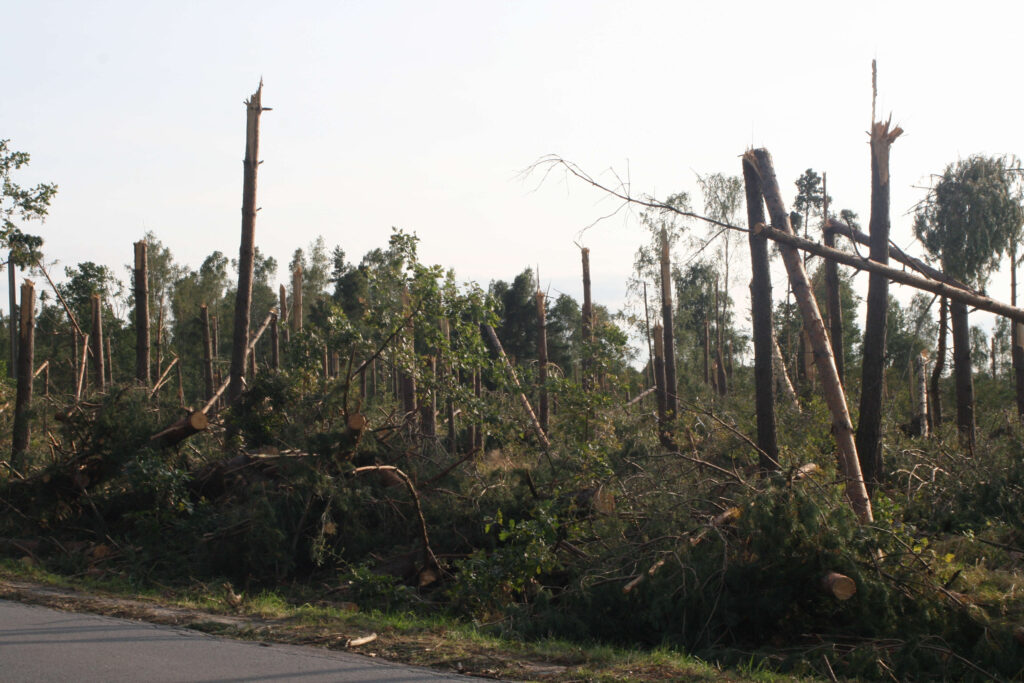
pixel 761 317
pixel 542 361
pixel 781 376
pixel 296 314
pixel 12 296
pixel 283 307
pixel 659 376
pixel 940 365
pixel 247 249
pixel 869 428
pixel 99 366
pixel 204 322
pixel 1016 336
pixel 26 364
pixel 842 427
pixel 275 344
pixel 141 273
pixel 964 379
pixel 921 368
pixel 671 385
pixel 588 325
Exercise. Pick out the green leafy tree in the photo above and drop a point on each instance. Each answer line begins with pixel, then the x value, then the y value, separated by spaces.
pixel 19 203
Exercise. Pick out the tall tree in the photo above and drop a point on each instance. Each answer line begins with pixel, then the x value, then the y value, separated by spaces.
pixel 967 221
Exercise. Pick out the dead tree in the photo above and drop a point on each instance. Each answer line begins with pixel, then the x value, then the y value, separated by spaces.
pixel 761 316
pixel 542 361
pixel 204 323
pixel 247 249
pixel 26 364
pixel 842 427
pixel 141 274
pixel 671 385
pixel 869 427
pixel 99 366
pixel 588 325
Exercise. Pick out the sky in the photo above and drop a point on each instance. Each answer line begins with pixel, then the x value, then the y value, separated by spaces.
pixel 422 116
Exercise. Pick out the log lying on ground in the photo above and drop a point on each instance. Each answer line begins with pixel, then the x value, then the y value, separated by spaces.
pixel 839 586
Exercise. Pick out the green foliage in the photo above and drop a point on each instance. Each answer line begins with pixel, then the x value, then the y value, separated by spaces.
pixel 21 203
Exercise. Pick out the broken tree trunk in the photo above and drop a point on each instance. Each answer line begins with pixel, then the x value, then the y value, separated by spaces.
pixel 141 273
pixel 842 427
pixel 542 361
pixel 671 400
pixel 492 336
pixel 247 249
pixel 964 378
pixel 26 363
pixel 588 325
pixel 204 323
pixel 99 366
pixel 869 426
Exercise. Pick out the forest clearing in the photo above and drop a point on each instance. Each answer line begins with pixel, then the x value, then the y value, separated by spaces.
pixel 815 499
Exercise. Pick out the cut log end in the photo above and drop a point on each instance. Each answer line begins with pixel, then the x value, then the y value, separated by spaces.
pixel 839 586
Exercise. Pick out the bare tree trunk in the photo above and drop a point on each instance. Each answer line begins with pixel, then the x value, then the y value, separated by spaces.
pixel 296 315
pixel 940 365
pixel 542 361
pixel 141 273
pixel 869 428
pixel 1016 335
pixel 99 367
pixel 110 364
pixel 159 337
pixel 12 296
pixel 74 359
pixel 835 308
pixel 761 317
pixel 588 325
pixel 964 379
pixel 26 364
pixel 284 312
pixel 671 385
pixel 204 322
pixel 659 381
pixel 842 428
pixel 247 249
pixel 921 367
pixel 723 382
pixel 275 344
pixel 781 375
pixel 647 333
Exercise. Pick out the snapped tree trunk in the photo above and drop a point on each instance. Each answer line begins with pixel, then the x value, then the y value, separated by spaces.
pixel 141 273
pixel 204 323
pixel 763 330
pixel 542 361
pixel 26 364
pixel 964 378
pixel 99 366
pixel 869 428
pixel 940 365
pixel 842 427
pixel 588 325
pixel 671 400
pixel 247 249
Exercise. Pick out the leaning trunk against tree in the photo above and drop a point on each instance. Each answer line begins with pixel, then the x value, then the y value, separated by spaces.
pixel 869 428
pixel 962 371
pixel 247 249
pixel 842 427
pixel 141 273
pixel 23 395
pixel 671 385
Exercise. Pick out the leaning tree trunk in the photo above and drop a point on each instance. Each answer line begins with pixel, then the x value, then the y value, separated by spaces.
pixel 962 372
pixel 542 362
pixel 26 351
pixel 587 365
pixel 99 366
pixel 247 250
pixel 842 427
pixel 761 316
pixel 869 428
pixel 671 385
pixel 940 366
pixel 141 274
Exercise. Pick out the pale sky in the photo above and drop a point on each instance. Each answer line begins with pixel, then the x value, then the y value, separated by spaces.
pixel 421 115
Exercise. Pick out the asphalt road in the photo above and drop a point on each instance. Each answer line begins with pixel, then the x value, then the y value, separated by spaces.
pixel 42 644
